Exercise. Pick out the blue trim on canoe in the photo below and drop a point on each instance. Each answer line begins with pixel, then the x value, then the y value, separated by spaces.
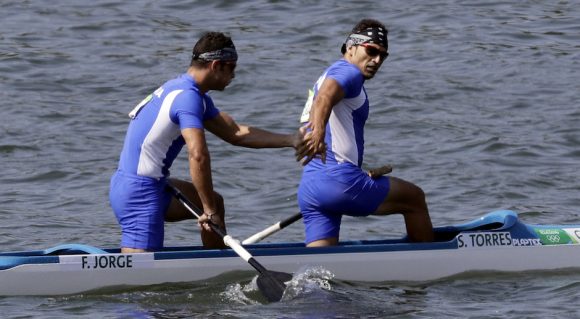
pixel 47 256
pixel 73 249
pixel 259 250
pixel 446 238
pixel 13 261
pixel 506 218
pixel 501 220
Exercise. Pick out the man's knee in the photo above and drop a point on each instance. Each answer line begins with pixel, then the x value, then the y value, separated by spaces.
pixel 416 200
pixel 406 190
pixel 219 199
pixel 417 192
pixel 219 203
pixel 404 197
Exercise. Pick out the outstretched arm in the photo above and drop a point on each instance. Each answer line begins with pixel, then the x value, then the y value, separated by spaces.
pixel 224 127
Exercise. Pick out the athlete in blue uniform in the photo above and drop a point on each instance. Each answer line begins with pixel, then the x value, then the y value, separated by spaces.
pixel 333 183
pixel 174 115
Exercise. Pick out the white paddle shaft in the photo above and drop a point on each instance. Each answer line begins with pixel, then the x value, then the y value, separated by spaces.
pixel 263 234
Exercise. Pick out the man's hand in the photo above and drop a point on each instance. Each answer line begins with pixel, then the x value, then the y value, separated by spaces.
pixel 312 145
pixel 298 137
pixel 380 171
pixel 206 217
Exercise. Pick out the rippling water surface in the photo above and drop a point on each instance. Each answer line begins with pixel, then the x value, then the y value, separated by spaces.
pixel 477 104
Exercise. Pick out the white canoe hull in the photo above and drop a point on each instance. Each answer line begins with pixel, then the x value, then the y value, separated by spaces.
pixel 496 242
pixel 419 265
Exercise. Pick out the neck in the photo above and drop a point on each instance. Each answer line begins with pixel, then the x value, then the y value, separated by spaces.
pixel 199 76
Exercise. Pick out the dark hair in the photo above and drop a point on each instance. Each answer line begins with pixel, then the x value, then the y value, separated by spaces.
pixel 209 41
pixel 367 23
pixel 363 25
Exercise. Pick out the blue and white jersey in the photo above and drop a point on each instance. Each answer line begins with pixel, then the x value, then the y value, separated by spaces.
pixel 154 138
pixel 345 128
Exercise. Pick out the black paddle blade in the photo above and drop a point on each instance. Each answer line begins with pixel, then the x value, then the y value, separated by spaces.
pixel 271 284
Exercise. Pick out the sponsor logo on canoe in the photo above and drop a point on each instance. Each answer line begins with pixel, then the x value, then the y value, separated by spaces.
pixel 493 239
pixel 106 261
pixel 558 236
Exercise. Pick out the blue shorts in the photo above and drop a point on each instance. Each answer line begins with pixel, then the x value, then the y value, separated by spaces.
pixel 324 195
pixel 139 204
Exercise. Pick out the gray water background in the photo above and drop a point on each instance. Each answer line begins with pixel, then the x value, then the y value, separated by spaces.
pixel 477 104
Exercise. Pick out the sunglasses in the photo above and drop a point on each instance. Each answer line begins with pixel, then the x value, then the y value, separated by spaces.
pixel 373 51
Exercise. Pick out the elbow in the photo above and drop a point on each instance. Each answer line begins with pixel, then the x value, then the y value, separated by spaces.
pixel 241 137
pixel 236 141
pixel 199 156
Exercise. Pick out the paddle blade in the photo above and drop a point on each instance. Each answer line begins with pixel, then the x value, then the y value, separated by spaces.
pixel 271 284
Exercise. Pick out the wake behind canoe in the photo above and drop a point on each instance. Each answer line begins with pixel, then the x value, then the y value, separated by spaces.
pixel 499 241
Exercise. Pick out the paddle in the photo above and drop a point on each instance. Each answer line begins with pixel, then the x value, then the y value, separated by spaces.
pixel 270 283
pixel 272 229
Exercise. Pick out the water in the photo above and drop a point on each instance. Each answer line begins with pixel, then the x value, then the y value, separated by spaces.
pixel 477 104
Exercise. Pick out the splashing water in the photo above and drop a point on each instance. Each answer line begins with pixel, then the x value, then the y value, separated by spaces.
pixel 239 293
pixel 308 280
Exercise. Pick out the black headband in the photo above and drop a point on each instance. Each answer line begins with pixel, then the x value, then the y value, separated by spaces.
pixel 225 54
pixel 376 35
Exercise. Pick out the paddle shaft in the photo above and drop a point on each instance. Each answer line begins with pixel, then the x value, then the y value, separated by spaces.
pixel 228 240
pixel 272 229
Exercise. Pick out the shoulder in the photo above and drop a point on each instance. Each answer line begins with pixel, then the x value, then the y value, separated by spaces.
pixel 347 75
pixel 191 102
pixel 188 95
pixel 342 67
pixel 191 95
pixel 185 85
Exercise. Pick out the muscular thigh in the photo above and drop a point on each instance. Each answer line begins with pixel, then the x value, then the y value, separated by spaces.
pixel 402 195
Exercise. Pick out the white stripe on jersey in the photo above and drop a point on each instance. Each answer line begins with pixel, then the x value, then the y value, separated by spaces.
pixel 158 140
pixel 341 125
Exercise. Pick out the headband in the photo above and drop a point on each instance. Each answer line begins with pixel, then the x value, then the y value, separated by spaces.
pixel 376 35
pixel 225 54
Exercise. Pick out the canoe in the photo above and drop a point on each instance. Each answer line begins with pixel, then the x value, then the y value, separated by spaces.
pixel 498 241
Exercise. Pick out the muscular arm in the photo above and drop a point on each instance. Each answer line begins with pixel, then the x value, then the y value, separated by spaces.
pixel 224 127
pixel 200 167
pixel 329 94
